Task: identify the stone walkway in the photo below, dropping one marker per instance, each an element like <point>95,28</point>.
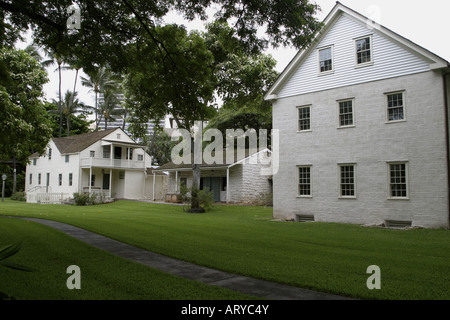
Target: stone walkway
<point>246,285</point>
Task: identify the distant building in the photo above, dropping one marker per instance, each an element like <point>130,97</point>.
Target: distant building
<point>106,162</point>
<point>118,121</point>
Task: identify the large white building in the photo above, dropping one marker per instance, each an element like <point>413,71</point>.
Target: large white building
<point>106,162</point>
<point>362,115</point>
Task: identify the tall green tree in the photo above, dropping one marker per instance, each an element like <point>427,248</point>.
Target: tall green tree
<point>55,58</point>
<point>24,128</point>
<point>100,81</point>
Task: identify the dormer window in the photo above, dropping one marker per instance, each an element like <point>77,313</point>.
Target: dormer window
<point>326,60</point>
<point>363,51</point>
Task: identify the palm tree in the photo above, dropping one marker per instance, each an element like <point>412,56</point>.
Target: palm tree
<point>70,106</point>
<point>110,107</point>
<point>99,82</point>
<point>55,58</point>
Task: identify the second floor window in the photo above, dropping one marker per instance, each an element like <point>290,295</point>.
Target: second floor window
<point>395,106</point>
<point>363,50</point>
<point>304,118</point>
<point>326,59</point>
<point>346,113</point>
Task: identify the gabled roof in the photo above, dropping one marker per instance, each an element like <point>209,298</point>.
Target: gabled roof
<point>78,143</point>
<point>434,60</point>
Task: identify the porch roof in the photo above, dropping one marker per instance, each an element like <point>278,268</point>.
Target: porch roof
<point>170,166</point>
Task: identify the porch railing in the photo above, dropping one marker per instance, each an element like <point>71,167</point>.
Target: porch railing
<point>112,163</point>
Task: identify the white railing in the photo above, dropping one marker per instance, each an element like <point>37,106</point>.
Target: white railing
<point>95,190</point>
<point>51,198</point>
<point>112,163</point>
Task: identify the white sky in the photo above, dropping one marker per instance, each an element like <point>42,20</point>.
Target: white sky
<point>424,22</point>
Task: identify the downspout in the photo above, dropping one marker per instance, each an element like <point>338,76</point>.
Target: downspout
<point>447,138</point>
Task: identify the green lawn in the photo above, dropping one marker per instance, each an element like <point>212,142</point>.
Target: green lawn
<point>415,264</point>
<point>103,275</point>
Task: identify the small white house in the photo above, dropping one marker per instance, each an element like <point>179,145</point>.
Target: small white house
<point>105,162</point>
<point>363,121</point>
<point>245,180</point>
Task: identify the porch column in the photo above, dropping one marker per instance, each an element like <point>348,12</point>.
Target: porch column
<point>154,184</point>
<point>228,184</point>
<point>110,183</point>
<point>176,181</point>
<point>111,155</point>
<point>90,178</point>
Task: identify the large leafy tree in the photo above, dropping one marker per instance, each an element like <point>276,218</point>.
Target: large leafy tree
<point>107,26</point>
<point>171,71</point>
<point>23,126</point>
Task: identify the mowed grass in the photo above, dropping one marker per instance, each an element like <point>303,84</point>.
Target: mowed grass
<point>103,276</point>
<point>414,264</point>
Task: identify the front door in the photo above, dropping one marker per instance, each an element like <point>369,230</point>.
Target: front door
<point>106,181</point>
<point>213,185</point>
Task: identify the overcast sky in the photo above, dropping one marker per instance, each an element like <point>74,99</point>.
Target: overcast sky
<point>424,22</point>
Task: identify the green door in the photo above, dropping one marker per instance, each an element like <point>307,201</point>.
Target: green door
<point>106,181</point>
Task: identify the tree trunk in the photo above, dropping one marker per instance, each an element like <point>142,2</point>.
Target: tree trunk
<point>60,105</point>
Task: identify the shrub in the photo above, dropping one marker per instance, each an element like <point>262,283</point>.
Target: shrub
<point>81,199</point>
<point>205,199</point>
<point>19,196</point>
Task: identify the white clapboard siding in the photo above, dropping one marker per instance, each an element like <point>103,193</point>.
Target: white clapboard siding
<point>389,60</point>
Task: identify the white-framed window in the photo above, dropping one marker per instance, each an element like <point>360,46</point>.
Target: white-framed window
<point>346,113</point>
<point>39,179</point>
<point>304,118</point>
<point>49,153</point>
<point>60,179</point>
<point>325,56</point>
<point>70,179</point>
<point>398,180</point>
<point>140,157</point>
<point>67,158</point>
<point>93,180</point>
<point>34,161</point>
<point>92,153</point>
<point>106,152</point>
<point>347,180</point>
<point>31,179</point>
<point>396,108</point>
<point>364,54</point>
<point>304,181</point>
<point>121,175</point>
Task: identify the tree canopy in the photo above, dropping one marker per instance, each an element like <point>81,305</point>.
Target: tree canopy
<point>23,126</point>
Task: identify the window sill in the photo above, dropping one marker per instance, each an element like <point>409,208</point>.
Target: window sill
<point>363,65</point>
<point>304,197</point>
<point>325,73</point>
<point>347,198</point>
<point>304,131</point>
<point>347,127</point>
<point>399,199</point>
<point>395,121</point>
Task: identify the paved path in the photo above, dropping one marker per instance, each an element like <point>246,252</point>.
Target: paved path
<point>258,288</point>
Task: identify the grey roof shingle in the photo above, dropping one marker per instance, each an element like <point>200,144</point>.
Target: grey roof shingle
<point>78,143</point>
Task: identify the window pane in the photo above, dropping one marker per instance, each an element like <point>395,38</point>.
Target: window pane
<point>346,113</point>
<point>395,107</point>
<point>347,181</point>
<point>304,186</point>
<point>326,60</point>
<point>363,50</point>
<point>304,119</point>
<point>398,183</point>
